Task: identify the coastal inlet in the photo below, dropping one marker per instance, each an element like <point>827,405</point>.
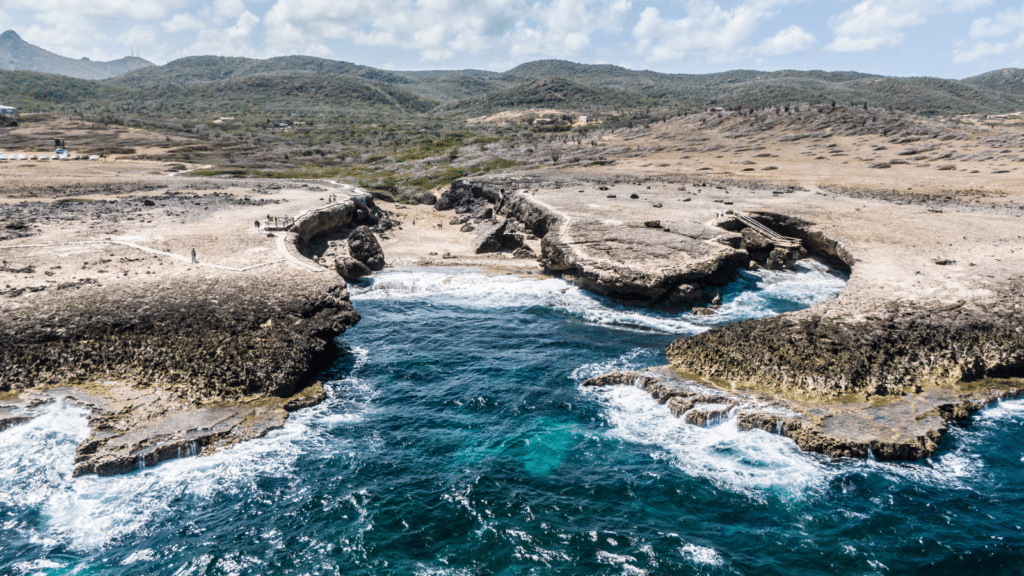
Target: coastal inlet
<point>457,439</point>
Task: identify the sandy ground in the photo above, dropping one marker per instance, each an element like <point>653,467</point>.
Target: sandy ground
<point>65,246</point>
<point>905,251</point>
<point>835,161</point>
<point>425,237</point>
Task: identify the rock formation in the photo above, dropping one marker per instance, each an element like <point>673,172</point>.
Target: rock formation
<point>364,247</point>
<point>910,430</point>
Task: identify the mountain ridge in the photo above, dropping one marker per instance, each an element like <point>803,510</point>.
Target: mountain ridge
<point>18,55</point>
<point>197,85</point>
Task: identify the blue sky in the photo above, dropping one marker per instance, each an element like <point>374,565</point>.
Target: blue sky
<point>945,38</point>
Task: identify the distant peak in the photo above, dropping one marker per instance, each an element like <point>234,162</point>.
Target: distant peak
<point>10,35</point>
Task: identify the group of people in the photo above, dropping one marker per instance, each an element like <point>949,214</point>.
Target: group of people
<point>332,198</point>
<point>276,221</point>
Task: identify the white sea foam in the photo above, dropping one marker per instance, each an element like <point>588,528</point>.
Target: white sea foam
<point>757,295</point>
<point>758,463</point>
<point>89,512</point>
<point>635,359</point>
<point>39,453</point>
<point>701,555</point>
<point>623,561</point>
<point>140,556</point>
<point>755,463</point>
<point>38,567</point>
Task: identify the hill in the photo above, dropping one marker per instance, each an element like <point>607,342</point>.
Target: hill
<point>202,88</point>
<point>1008,80</point>
<point>206,69</point>
<point>16,54</point>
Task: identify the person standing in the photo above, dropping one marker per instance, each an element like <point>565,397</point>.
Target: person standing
<point>257,224</point>
<point>194,261</point>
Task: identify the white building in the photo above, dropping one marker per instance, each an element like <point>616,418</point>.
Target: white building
<point>7,110</point>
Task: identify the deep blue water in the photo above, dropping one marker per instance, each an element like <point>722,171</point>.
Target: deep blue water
<point>457,440</point>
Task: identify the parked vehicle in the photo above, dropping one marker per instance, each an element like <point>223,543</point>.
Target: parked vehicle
<point>94,157</point>
<point>3,156</point>
<point>44,157</point>
<point>22,157</point>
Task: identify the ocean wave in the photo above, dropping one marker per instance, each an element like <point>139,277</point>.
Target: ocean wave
<point>755,463</point>
<point>701,555</point>
<point>751,295</point>
<point>90,512</point>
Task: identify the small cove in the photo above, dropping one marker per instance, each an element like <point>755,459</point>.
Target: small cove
<point>457,440</point>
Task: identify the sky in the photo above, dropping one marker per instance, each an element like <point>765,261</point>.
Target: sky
<point>943,38</point>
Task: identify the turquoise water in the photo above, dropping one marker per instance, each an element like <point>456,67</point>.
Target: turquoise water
<point>457,441</point>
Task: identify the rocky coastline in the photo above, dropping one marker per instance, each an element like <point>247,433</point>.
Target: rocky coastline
<point>879,370</point>
<point>644,264</point>
<point>184,361</point>
<point>828,432</point>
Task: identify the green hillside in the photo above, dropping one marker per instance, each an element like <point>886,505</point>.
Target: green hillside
<point>196,88</point>
<point>207,69</point>
<point>50,92</point>
<point>1007,80</point>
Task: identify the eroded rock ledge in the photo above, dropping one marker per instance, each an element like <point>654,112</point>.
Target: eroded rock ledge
<point>186,361</point>
<point>169,367</point>
<point>888,353</point>
<point>639,262</point>
<point>909,429</point>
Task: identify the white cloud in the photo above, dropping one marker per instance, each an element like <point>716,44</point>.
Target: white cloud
<point>239,39</point>
<point>441,30</point>
<point>142,35</point>
<point>722,35</point>
<point>181,22</point>
<point>787,41</point>
<point>1006,22</point>
<point>228,8</point>
<point>101,29</point>
<point>980,50</point>
<point>875,24</point>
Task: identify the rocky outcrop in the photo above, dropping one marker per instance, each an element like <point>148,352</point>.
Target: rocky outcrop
<point>364,247</point>
<point>464,192</point>
<point>350,269</point>
<point>489,237</point>
<point>814,241</point>
<point>700,408</point>
<point>173,366</point>
<point>888,432</point>
<point>642,264</point>
<point>887,353</point>
<point>357,210</point>
<point>535,217</point>
<point>624,271</point>
<point>205,337</point>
